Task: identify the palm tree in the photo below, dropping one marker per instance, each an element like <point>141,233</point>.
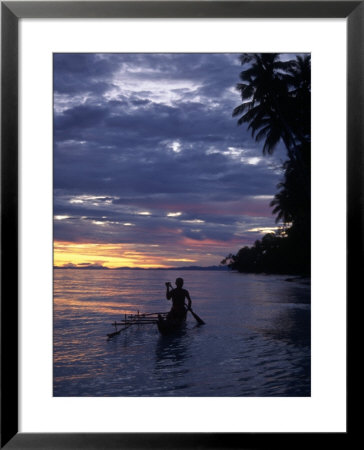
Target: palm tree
<point>276,104</point>
<point>291,203</point>
<point>275,94</point>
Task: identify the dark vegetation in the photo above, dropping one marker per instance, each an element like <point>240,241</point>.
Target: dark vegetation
<point>276,106</point>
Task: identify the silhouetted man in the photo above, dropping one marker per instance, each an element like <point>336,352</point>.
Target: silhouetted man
<point>178,296</point>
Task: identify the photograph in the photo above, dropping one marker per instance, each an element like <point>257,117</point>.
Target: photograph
<point>181,224</point>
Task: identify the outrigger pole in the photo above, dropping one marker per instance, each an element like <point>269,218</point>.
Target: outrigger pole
<point>146,319</point>
<point>136,319</point>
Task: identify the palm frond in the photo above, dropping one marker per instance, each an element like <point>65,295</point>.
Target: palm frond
<point>240,109</point>
<point>271,141</point>
<point>262,133</point>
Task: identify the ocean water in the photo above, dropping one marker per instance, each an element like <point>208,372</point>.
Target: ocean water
<point>256,340</point>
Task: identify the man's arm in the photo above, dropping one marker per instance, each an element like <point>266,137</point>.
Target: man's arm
<point>168,292</point>
<point>189,299</point>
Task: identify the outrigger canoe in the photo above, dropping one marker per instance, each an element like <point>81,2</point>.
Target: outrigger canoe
<point>165,324</point>
<point>136,319</point>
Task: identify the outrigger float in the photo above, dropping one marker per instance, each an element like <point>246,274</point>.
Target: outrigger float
<point>164,324</point>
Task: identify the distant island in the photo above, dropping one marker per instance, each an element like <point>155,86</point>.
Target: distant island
<point>97,267</point>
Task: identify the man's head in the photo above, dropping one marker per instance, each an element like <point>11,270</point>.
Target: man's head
<point>179,282</point>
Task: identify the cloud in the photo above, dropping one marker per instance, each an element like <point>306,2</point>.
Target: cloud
<point>153,133</point>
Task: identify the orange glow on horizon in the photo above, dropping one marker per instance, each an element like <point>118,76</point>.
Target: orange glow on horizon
<point>181,260</point>
<point>106,255</point>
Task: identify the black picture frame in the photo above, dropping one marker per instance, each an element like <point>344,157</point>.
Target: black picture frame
<point>11,12</point>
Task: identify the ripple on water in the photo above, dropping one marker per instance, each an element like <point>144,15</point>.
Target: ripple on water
<point>256,341</point>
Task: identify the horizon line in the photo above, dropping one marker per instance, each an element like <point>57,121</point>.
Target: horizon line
<point>138,268</point>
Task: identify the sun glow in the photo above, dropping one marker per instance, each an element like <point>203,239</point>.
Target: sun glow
<point>106,255</point>
<point>181,260</point>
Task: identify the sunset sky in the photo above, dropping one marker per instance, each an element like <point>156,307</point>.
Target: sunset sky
<point>150,168</point>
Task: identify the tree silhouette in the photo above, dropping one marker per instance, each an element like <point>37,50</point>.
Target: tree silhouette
<point>276,106</point>
<point>270,91</point>
<point>292,202</point>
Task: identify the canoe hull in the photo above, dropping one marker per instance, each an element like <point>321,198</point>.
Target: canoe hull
<point>170,326</point>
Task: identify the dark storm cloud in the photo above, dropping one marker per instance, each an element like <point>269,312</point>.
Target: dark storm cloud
<point>81,117</point>
<point>138,137</point>
<point>82,73</point>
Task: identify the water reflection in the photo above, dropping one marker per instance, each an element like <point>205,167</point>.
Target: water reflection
<point>293,326</point>
<point>172,366</point>
<point>291,330</point>
<point>256,341</point>
<point>172,349</point>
